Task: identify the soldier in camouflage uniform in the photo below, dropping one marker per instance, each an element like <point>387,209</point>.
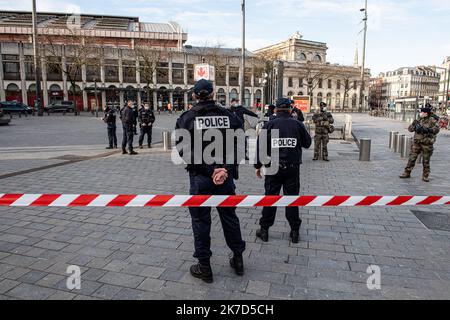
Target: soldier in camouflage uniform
<point>323,122</point>
<point>426,130</point>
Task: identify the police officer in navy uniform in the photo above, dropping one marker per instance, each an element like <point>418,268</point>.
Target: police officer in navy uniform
<point>110,119</point>
<point>292,138</point>
<point>211,179</point>
<point>128,118</point>
<point>146,119</point>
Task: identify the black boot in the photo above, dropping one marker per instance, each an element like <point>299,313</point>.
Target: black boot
<point>295,236</point>
<point>203,272</point>
<point>133,153</point>
<point>237,263</point>
<point>263,234</point>
<point>124,151</point>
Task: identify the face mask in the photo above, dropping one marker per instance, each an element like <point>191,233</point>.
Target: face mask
<point>147,107</point>
<point>423,114</point>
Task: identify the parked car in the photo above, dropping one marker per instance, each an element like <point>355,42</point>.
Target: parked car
<point>3,119</point>
<point>15,107</point>
<point>60,106</point>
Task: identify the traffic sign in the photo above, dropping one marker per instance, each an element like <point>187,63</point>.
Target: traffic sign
<point>204,71</point>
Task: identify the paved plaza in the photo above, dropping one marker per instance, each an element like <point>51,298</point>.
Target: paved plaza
<point>145,253</point>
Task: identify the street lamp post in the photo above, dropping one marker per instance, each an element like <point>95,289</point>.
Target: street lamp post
<point>37,74</point>
<point>242,79</point>
<point>361,98</point>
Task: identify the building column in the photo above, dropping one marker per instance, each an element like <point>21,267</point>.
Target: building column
<point>120,67</point>
<point>103,80</point>
<point>252,91</point>
<point>103,100</point>
<point>227,82</point>
<point>186,86</point>
<point>64,74</point>
<point>2,84</point>
<point>171,98</point>
<point>83,87</point>
<point>155,101</point>
<point>121,99</point>
<point>170,72</point>
<point>138,81</point>
<point>44,81</point>
<point>186,101</point>
<point>22,74</point>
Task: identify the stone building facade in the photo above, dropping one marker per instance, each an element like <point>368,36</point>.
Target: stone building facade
<point>117,70</point>
<point>301,68</point>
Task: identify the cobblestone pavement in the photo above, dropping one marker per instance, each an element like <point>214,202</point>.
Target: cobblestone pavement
<point>32,142</point>
<point>135,253</point>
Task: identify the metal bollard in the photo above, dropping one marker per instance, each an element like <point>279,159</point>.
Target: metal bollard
<point>407,143</point>
<point>167,142</point>
<point>401,137</point>
<point>391,139</point>
<point>364,149</point>
<point>395,141</point>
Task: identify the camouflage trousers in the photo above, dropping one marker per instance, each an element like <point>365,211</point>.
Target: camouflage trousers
<point>416,150</point>
<point>321,141</point>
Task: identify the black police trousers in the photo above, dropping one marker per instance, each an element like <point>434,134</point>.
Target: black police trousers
<point>128,135</point>
<point>147,130</point>
<point>201,218</point>
<point>288,178</point>
<point>112,137</point>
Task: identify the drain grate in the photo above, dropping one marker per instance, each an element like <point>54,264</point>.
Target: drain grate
<point>434,220</point>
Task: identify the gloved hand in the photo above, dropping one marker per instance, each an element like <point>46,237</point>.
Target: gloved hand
<point>420,130</point>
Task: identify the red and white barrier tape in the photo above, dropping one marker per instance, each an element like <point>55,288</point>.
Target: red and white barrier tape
<point>97,200</point>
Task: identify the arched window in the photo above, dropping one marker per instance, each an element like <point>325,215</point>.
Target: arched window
<point>300,93</point>
<point>329,99</point>
<point>77,89</point>
<point>290,94</point>
<point>319,98</point>
<point>317,58</point>
<point>233,94</point>
<point>302,57</point>
<point>32,87</point>
<point>221,97</point>
<point>338,100</point>
<point>354,98</point>
<point>55,88</point>
<point>247,98</point>
<point>12,87</point>
<point>258,98</point>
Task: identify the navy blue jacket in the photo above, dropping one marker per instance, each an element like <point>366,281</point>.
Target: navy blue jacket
<point>240,111</point>
<point>292,138</point>
<point>197,119</point>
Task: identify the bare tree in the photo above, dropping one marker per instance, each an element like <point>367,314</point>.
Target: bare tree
<point>316,75</point>
<point>79,51</point>
<point>149,57</point>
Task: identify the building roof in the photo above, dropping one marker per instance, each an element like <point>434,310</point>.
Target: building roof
<point>86,22</point>
<point>215,50</point>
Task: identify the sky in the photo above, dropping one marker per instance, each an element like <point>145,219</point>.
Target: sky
<point>401,32</point>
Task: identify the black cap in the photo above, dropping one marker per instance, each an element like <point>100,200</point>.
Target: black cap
<point>284,103</point>
<point>271,107</point>
<point>427,109</point>
<point>203,88</point>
